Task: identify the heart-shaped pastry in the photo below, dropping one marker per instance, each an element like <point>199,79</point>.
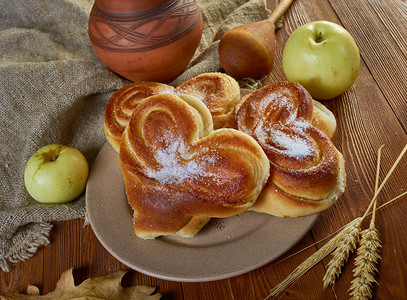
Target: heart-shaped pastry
<point>178,172</point>
<point>218,91</point>
<point>307,173</point>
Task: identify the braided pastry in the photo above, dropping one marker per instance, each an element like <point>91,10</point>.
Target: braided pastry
<point>307,173</point>
<point>219,92</point>
<point>178,172</point>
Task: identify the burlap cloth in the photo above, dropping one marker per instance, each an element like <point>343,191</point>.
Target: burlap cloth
<point>53,89</point>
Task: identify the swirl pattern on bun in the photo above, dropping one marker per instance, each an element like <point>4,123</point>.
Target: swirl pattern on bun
<point>122,103</point>
<point>307,173</point>
<point>218,91</point>
<point>179,172</point>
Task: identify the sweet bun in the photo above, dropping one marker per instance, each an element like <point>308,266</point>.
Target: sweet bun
<point>219,92</point>
<point>323,119</point>
<point>307,172</point>
<point>122,103</point>
<point>179,172</point>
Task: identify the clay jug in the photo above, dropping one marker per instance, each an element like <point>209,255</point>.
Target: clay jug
<point>145,40</point>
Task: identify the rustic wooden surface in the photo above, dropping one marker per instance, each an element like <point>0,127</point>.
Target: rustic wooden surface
<point>372,113</point>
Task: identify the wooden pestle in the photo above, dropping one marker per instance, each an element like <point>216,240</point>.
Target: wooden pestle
<point>247,51</point>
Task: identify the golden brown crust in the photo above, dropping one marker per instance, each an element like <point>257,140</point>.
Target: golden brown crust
<point>178,175</point>
<point>219,92</point>
<point>121,105</point>
<point>307,173</point>
<point>274,201</point>
<point>323,119</point>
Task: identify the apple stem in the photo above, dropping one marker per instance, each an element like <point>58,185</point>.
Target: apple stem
<point>279,10</point>
<point>319,38</point>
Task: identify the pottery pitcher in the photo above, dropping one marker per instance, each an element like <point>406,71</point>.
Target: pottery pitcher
<point>145,40</point>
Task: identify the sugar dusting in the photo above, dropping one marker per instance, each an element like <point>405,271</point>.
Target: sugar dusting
<point>285,136</point>
<point>205,90</point>
<point>176,167</point>
<point>172,168</point>
<point>291,145</point>
<point>279,102</point>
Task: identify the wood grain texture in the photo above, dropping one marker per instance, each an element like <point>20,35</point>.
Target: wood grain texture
<point>373,112</point>
<point>382,44</point>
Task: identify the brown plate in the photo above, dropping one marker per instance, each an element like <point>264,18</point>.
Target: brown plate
<point>223,248</point>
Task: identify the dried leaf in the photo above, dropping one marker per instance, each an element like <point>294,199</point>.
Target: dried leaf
<point>97,288</point>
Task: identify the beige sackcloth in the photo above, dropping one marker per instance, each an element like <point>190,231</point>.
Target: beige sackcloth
<point>53,89</point>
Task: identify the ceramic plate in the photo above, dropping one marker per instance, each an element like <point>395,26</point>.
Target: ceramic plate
<point>223,248</point>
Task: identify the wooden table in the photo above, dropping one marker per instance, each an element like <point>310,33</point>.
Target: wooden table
<point>372,113</point>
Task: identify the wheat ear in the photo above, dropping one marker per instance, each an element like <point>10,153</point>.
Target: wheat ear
<point>366,265</point>
<point>349,242</point>
<point>332,244</point>
<point>346,245</point>
<point>367,259</point>
<point>313,259</point>
<point>366,262</point>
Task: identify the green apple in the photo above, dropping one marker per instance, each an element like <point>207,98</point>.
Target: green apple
<point>56,174</point>
<point>323,57</point>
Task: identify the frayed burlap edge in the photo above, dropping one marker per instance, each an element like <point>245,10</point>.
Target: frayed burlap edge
<point>28,248</point>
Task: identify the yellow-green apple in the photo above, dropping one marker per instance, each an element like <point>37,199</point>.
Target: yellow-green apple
<point>56,174</point>
<point>323,57</point>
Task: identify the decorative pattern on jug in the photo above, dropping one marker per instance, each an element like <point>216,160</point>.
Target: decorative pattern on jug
<point>143,31</point>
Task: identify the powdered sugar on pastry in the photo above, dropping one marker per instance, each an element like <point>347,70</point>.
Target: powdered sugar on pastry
<point>177,176</point>
<point>307,171</point>
<point>172,168</point>
<point>291,145</point>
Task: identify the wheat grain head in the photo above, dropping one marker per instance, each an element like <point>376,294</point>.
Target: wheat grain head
<point>366,264</point>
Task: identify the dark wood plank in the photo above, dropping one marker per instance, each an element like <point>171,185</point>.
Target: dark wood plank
<point>74,245</point>
<point>373,112</point>
<point>216,290</point>
<point>61,255</point>
<point>366,120</point>
<point>382,44</point>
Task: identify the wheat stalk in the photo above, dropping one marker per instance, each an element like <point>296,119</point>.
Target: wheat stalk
<point>360,285</point>
<point>349,241</point>
<point>311,261</point>
<point>366,260</point>
<point>346,245</point>
<point>366,265</point>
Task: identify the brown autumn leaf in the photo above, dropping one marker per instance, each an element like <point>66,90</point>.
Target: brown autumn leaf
<point>97,288</point>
